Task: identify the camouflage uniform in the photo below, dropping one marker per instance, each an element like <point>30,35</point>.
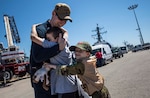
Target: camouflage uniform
<point>92,80</point>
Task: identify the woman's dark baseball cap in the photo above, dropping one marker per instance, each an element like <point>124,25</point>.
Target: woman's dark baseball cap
<point>63,11</point>
<point>83,46</point>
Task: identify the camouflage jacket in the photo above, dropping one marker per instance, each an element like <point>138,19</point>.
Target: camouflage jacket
<point>91,79</point>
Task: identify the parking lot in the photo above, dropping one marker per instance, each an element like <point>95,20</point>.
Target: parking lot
<point>126,77</point>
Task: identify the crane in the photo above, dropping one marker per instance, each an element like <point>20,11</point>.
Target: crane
<point>12,59</point>
<point>12,34</point>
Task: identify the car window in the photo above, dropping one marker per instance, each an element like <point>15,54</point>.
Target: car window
<point>104,51</point>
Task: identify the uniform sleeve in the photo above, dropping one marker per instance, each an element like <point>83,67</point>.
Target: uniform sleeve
<point>71,70</point>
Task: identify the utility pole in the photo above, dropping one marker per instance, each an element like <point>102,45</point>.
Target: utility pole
<point>125,43</point>
<point>132,8</point>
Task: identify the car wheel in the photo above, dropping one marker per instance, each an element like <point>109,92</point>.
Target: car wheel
<point>111,60</point>
<point>8,74</point>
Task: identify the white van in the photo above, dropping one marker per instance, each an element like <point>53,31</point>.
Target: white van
<point>105,50</point>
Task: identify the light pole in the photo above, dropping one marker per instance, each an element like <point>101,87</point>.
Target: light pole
<point>132,8</point>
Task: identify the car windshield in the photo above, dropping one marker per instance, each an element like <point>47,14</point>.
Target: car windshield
<point>115,50</point>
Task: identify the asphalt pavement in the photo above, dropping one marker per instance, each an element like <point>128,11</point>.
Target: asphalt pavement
<point>126,77</point>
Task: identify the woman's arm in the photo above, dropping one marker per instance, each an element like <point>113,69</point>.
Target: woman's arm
<point>34,36</point>
<point>40,41</point>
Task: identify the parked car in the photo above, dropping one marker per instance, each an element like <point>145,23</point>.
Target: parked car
<point>137,48</point>
<point>146,46</point>
<point>124,49</point>
<point>117,53</point>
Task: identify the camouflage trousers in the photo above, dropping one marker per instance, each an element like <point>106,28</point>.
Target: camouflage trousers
<point>104,93</point>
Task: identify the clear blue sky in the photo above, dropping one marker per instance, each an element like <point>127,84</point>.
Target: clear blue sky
<point>113,15</point>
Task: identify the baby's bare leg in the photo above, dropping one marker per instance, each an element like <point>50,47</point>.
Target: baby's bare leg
<point>45,86</point>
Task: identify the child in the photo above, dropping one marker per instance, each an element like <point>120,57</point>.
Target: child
<point>60,85</point>
<point>85,68</point>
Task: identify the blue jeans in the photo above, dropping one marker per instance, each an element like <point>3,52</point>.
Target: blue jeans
<point>99,62</point>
